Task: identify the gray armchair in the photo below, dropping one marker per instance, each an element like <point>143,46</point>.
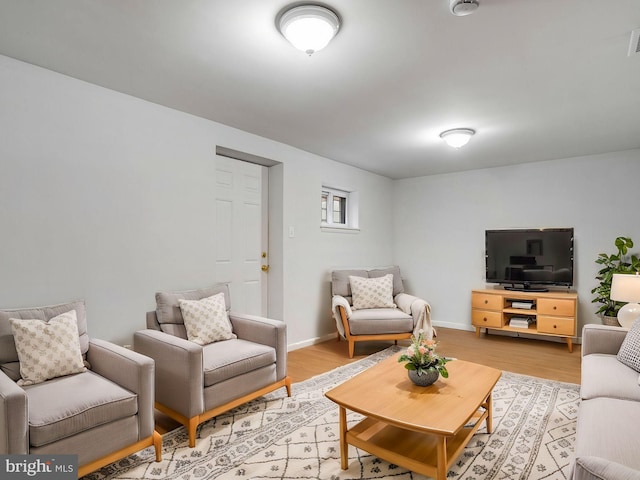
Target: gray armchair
<point>401,317</point>
<point>101,414</point>
<point>195,383</point>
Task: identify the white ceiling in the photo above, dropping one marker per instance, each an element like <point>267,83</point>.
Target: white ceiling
<point>537,79</point>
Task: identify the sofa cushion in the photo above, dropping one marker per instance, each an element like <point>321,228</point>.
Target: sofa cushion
<point>608,428</point>
<point>398,287</point>
<point>372,292</point>
<point>65,406</point>
<point>629,352</point>
<point>340,282</point>
<point>206,320</point>
<point>8,351</point>
<point>604,376</point>
<point>231,358</point>
<point>47,349</point>
<point>598,468</point>
<point>386,320</point>
<point>168,309</point>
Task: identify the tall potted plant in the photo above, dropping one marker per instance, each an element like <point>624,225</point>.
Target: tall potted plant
<point>619,262</point>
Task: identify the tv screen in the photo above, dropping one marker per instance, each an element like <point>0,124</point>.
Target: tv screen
<point>529,257</point>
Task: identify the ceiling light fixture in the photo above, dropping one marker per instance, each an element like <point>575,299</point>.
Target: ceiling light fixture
<point>460,8</point>
<point>309,27</point>
<point>457,137</point>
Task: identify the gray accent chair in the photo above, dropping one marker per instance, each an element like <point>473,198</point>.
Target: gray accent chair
<point>195,383</point>
<point>607,442</point>
<point>411,316</point>
<point>101,415</point>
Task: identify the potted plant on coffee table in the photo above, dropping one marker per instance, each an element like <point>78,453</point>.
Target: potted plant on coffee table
<point>619,262</point>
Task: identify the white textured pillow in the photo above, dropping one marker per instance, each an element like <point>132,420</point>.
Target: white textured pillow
<point>372,292</point>
<point>629,352</point>
<point>206,320</point>
<point>47,349</point>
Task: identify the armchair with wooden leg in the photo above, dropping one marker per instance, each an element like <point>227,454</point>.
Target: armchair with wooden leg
<point>63,393</point>
<point>209,359</point>
<point>370,305</point>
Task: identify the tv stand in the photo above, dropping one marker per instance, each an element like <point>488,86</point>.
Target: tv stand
<point>554,314</point>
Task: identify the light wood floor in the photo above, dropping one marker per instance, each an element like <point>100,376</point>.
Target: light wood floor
<point>535,357</point>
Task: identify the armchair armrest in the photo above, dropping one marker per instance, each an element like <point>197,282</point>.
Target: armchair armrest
<point>14,418</point>
<point>602,339</point>
<point>179,370</point>
<point>339,307</point>
<point>265,331</point>
<point>130,370</point>
<point>597,468</point>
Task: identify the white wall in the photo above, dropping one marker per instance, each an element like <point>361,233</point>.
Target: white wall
<point>440,223</point>
<point>109,198</point>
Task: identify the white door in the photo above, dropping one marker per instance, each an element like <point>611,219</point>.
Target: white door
<point>240,236</point>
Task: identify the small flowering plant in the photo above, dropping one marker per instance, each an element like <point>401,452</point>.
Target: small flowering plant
<point>421,356</point>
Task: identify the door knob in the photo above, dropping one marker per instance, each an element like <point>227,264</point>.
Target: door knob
<point>264,268</point>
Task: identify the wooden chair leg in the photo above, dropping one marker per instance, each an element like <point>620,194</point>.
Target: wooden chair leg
<point>157,445</point>
<point>287,385</point>
<point>352,345</point>
<point>191,429</point>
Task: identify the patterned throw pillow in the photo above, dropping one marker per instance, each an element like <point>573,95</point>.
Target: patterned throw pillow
<point>372,292</point>
<point>47,349</point>
<point>206,320</point>
<point>629,352</point>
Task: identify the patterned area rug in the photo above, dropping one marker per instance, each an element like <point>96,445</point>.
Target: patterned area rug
<point>276,437</point>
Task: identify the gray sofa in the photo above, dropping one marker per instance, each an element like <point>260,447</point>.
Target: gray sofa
<point>608,431</point>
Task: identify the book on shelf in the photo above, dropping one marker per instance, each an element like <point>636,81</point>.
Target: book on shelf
<point>524,305</point>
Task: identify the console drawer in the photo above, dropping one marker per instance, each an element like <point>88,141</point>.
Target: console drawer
<point>486,301</point>
<point>556,325</point>
<point>555,306</point>
<point>486,318</point>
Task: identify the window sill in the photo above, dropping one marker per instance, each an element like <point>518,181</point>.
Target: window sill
<point>338,229</point>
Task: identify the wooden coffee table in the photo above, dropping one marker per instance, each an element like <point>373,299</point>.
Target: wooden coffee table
<point>423,429</point>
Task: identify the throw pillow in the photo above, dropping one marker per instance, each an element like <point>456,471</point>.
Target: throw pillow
<point>47,349</point>
<point>629,352</point>
<point>206,320</point>
<point>372,292</point>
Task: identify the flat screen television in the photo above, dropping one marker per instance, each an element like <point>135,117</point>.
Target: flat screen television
<point>529,259</point>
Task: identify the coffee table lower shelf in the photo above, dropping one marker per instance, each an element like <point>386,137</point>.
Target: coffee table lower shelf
<point>424,453</point>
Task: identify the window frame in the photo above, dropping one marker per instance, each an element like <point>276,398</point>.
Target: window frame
<point>350,206</point>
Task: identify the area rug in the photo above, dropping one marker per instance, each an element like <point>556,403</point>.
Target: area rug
<point>276,437</point>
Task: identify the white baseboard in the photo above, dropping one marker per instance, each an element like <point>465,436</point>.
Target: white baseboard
<point>313,341</point>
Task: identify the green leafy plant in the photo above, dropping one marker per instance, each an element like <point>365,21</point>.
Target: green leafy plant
<point>421,356</point>
<point>619,262</point>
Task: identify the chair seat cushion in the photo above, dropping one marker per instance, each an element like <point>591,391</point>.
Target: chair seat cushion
<point>380,320</point>
<point>604,376</point>
<point>65,406</point>
<point>231,358</point>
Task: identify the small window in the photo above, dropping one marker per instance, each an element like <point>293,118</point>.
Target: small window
<point>338,209</point>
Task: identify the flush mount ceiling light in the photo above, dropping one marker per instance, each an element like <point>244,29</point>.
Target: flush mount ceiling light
<point>309,27</point>
<point>460,8</point>
<point>457,137</point>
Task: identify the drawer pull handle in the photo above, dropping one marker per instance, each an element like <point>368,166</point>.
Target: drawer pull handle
<point>486,301</point>
<point>555,308</point>
<point>555,326</point>
<point>484,319</point>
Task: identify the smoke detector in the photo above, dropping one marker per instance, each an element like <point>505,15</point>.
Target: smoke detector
<point>460,8</point>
